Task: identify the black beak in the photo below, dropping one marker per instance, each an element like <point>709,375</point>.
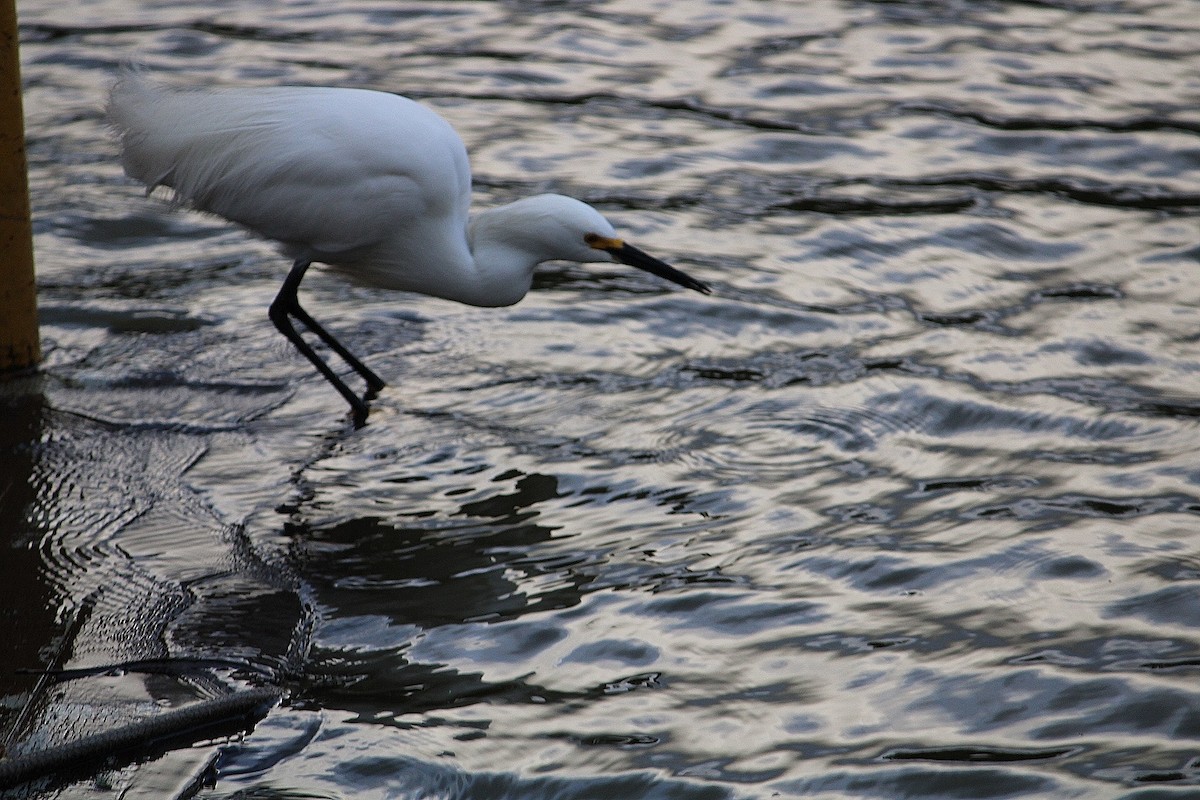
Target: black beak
<point>628,254</point>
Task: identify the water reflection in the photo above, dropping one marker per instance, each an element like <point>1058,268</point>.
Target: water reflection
<point>30,619</point>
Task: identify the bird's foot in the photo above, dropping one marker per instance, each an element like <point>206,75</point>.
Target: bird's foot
<point>375,384</point>
<point>358,411</point>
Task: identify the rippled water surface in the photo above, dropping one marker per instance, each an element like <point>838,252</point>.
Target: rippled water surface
<point>907,508</point>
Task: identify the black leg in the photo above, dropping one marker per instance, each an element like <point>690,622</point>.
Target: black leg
<point>374,382</point>
<point>286,305</point>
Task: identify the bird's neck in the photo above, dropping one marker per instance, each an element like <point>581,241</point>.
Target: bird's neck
<point>503,267</point>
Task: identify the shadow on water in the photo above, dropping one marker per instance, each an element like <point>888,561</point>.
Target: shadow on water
<point>372,576</point>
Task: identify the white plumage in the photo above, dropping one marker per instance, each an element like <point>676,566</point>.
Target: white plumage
<point>372,184</point>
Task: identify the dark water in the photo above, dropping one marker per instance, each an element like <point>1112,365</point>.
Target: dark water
<point>909,508</point>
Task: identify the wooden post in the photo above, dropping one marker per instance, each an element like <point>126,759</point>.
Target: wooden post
<point>19,349</point>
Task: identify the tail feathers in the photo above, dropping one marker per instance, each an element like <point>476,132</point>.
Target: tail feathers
<point>136,112</point>
<point>191,140</point>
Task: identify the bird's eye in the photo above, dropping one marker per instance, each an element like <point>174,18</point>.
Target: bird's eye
<point>591,239</point>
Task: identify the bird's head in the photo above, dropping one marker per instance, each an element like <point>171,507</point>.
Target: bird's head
<point>551,227</point>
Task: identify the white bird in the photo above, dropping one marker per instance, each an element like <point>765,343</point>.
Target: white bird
<point>372,184</point>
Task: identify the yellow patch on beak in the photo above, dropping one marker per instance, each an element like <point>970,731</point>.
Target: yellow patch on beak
<point>598,242</point>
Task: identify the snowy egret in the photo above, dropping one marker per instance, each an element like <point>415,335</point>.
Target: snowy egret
<point>371,184</point>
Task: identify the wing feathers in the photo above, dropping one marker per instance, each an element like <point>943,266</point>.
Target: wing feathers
<point>329,170</point>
